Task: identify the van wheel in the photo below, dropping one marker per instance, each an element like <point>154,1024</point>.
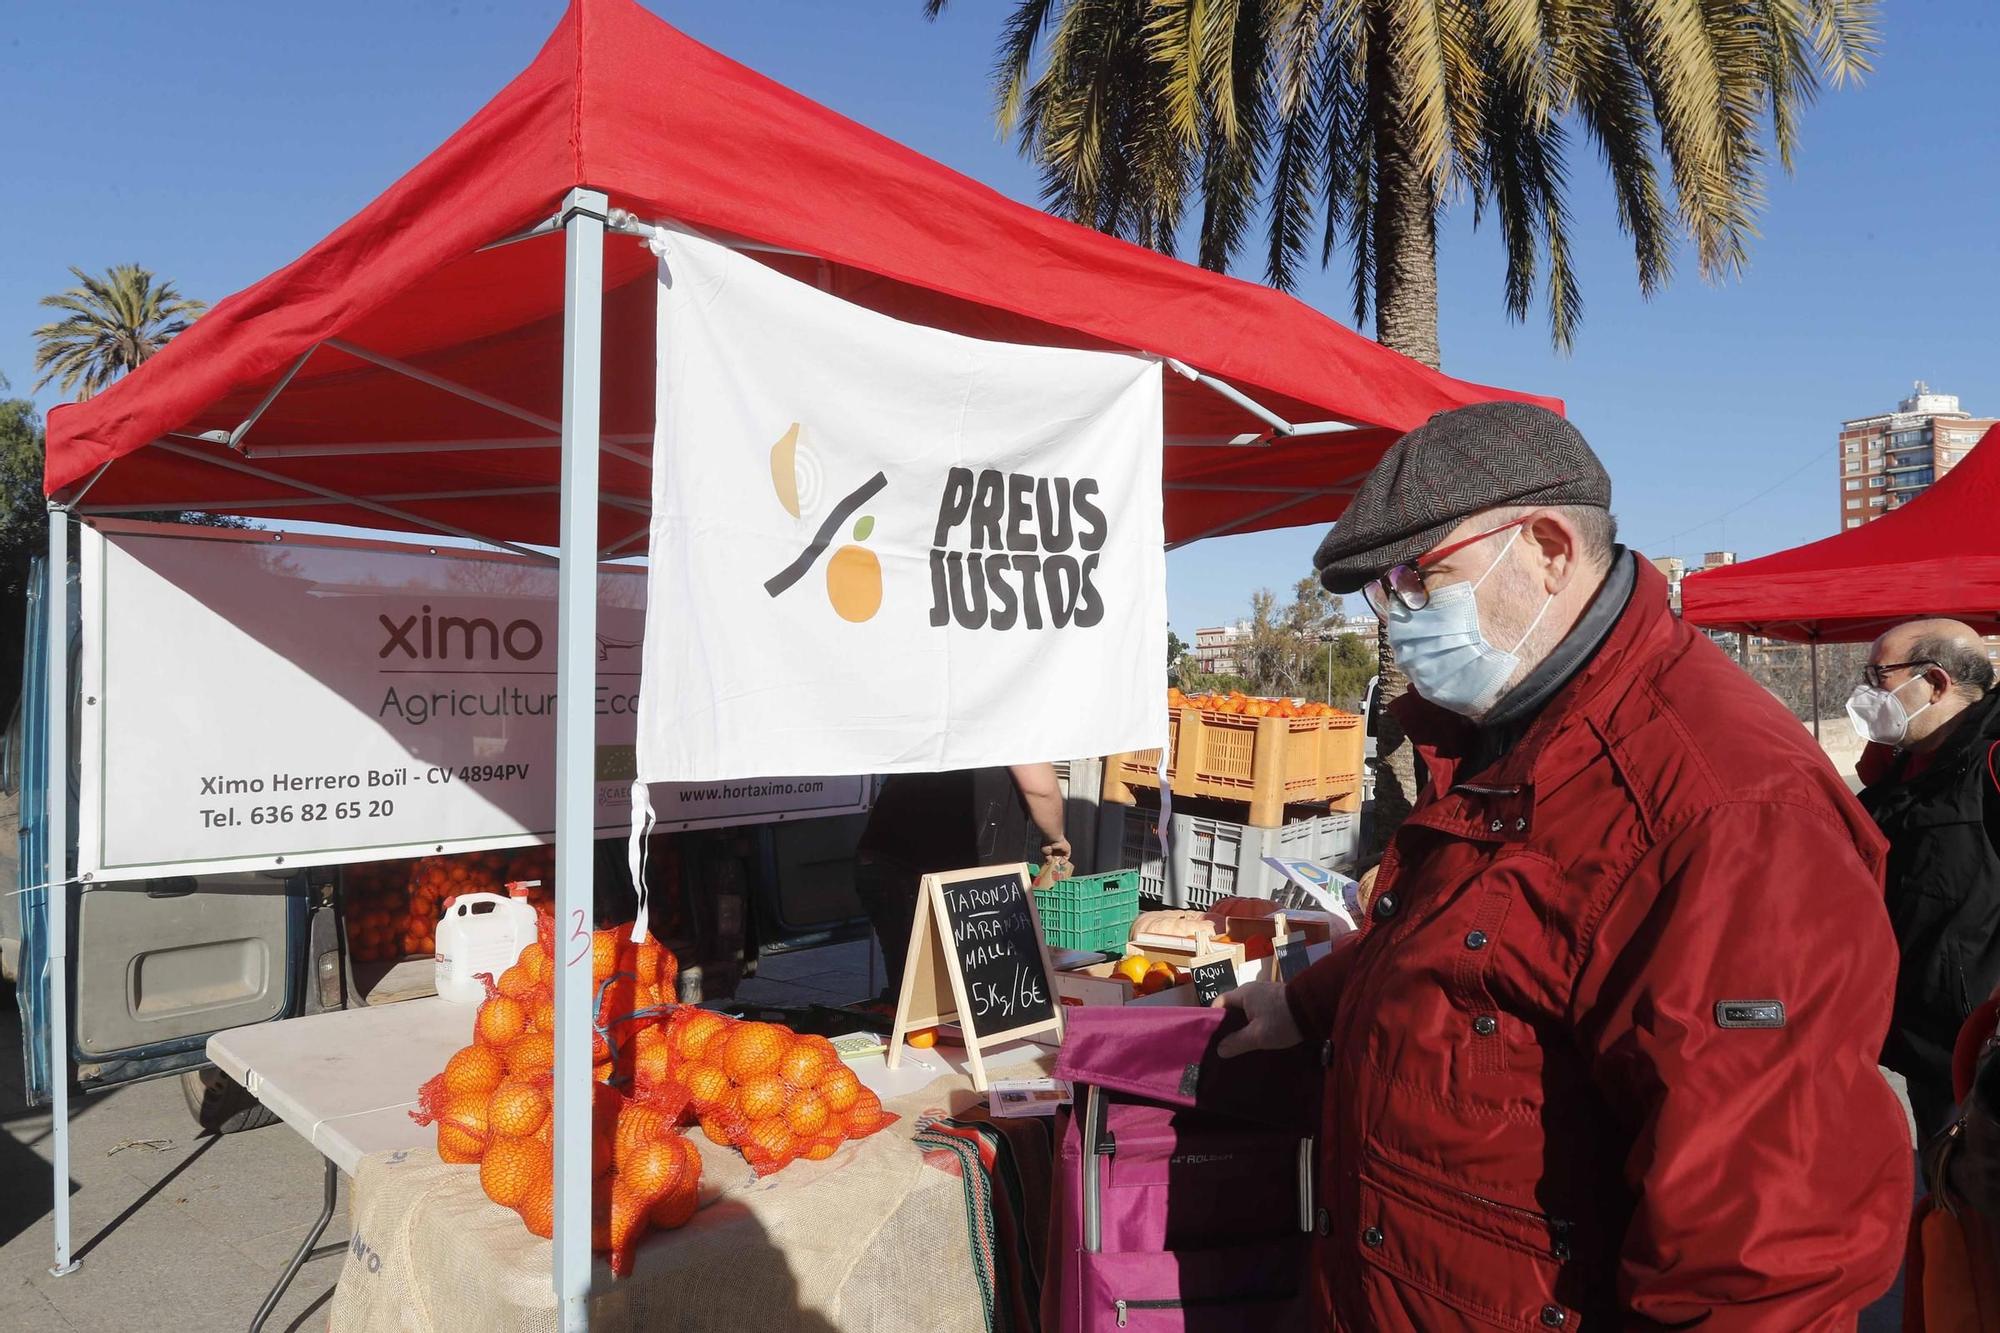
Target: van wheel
<point>221,1105</point>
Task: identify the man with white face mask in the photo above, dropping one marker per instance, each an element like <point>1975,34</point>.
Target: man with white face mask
<point>1927,705</point>
<point>1603,1054</point>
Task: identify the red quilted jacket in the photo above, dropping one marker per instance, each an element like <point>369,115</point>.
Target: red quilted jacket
<point>1604,1054</point>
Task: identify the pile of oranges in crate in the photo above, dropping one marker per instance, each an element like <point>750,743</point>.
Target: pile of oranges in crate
<point>1245,705</point>
<point>392,907</point>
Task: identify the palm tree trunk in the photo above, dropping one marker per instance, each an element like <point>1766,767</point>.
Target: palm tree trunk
<point>1406,321</point>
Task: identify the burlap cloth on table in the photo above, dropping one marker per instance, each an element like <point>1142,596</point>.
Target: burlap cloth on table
<point>871,1240</point>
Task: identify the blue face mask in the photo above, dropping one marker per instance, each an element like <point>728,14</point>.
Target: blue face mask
<point>1445,653</point>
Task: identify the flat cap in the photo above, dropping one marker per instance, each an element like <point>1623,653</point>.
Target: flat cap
<point>1486,456</point>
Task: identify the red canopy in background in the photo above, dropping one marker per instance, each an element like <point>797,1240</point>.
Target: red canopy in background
<point>619,101</point>
<point>1938,555</point>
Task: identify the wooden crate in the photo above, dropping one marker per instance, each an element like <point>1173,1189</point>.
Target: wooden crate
<point>1264,763</point>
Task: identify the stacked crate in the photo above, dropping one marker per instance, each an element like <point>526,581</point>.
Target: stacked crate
<point>1244,788</point>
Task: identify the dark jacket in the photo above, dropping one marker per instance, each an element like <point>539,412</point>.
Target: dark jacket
<point>1562,1093</point>
<point>1943,890</point>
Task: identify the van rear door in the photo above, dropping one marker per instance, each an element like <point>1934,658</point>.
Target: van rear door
<point>156,966</point>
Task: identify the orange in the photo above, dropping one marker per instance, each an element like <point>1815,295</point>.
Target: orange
<point>638,1125</point>
<point>542,1013</point>
<point>841,1089</point>
<point>923,1040</point>
<point>655,1170</point>
<point>535,961</point>
<point>1133,968</point>
<point>866,1117</point>
<point>652,1067</point>
<point>603,954</point>
<point>717,1131</point>
<point>531,1053</point>
<point>753,1049</point>
<point>474,1069</point>
<point>516,983</point>
<point>762,1096</point>
<point>772,1138</point>
<point>696,1030</point>
<point>807,1060</point>
<point>462,1127</point>
<point>538,1210</point>
<point>807,1115</point>
<point>675,1210</point>
<point>501,1019</point>
<point>707,1086</point>
<point>517,1109</point>
<point>512,1168</point>
<point>824,1144</point>
<point>854,583</point>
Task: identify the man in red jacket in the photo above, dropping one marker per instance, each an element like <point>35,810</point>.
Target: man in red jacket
<point>1603,1055</point>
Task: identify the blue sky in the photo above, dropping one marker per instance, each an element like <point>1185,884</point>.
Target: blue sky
<point>213,140</point>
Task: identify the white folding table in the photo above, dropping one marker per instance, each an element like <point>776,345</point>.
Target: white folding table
<point>347,1082</point>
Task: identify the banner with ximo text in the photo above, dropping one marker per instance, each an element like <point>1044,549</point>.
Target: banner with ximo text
<point>259,701</point>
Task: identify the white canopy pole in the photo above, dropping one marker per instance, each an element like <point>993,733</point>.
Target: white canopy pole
<point>583,217</point>
<point>55,872</point>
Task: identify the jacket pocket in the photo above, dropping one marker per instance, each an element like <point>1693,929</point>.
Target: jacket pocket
<point>1263,1287</point>
<point>1454,1255</point>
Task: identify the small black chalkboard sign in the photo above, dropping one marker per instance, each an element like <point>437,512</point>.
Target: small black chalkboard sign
<point>1292,959</point>
<point>1213,979</point>
<point>999,952</point>
<point>976,958</point>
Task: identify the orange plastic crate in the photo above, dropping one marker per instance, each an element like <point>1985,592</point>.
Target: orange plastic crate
<point>1266,763</point>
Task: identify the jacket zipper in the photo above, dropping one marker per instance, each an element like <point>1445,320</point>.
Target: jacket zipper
<point>1560,1229</point>
<point>1191,1303</point>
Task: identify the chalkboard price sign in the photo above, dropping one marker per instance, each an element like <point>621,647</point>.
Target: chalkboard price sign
<point>1213,979</point>
<point>999,948</point>
<point>977,958</point>
<point>1292,959</point>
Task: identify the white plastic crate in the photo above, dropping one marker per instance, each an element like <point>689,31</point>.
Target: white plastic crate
<point>1215,859</point>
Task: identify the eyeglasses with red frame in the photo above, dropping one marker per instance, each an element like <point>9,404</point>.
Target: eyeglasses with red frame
<point>1405,582</point>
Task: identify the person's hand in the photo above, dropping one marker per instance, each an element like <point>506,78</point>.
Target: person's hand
<point>1270,1027</point>
<point>1056,851</point>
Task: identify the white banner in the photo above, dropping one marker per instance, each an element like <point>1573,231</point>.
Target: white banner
<point>878,547</point>
<point>254,700</point>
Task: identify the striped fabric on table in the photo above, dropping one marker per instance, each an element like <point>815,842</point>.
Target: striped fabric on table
<point>1006,1166</point>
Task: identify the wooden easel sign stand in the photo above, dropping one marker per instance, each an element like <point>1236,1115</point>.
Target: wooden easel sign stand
<point>977,958</point>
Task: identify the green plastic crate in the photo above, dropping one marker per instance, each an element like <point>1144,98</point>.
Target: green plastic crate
<point>1089,911</point>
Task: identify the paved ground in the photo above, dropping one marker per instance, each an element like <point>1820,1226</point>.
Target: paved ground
<point>178,1231</point>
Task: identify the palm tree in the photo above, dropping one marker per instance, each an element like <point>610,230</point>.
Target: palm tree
<point>1362,120</point>
<point>110,325</point>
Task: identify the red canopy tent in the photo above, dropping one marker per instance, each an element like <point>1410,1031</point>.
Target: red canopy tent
<point>406,333</point>
<point>444,363</point>
<point>1938,555</point>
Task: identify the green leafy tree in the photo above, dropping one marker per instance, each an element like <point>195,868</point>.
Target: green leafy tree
<point>109,326</point>
<point>1354,124</point>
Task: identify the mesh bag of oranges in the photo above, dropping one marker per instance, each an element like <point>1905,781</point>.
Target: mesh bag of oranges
<point>772,1094</point>
<point>493,1104</point>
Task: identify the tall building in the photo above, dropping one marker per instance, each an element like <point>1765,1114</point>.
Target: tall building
<point>1888,460</point>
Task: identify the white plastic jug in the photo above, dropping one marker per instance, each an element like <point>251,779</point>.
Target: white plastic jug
<point>480,932</point>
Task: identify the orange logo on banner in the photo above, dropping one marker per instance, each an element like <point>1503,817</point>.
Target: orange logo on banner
<point>853,574</point>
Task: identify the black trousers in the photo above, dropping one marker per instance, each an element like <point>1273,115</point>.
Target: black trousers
<point>888,894</point>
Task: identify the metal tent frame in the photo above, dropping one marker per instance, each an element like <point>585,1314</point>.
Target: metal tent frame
<point>584,218</point>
